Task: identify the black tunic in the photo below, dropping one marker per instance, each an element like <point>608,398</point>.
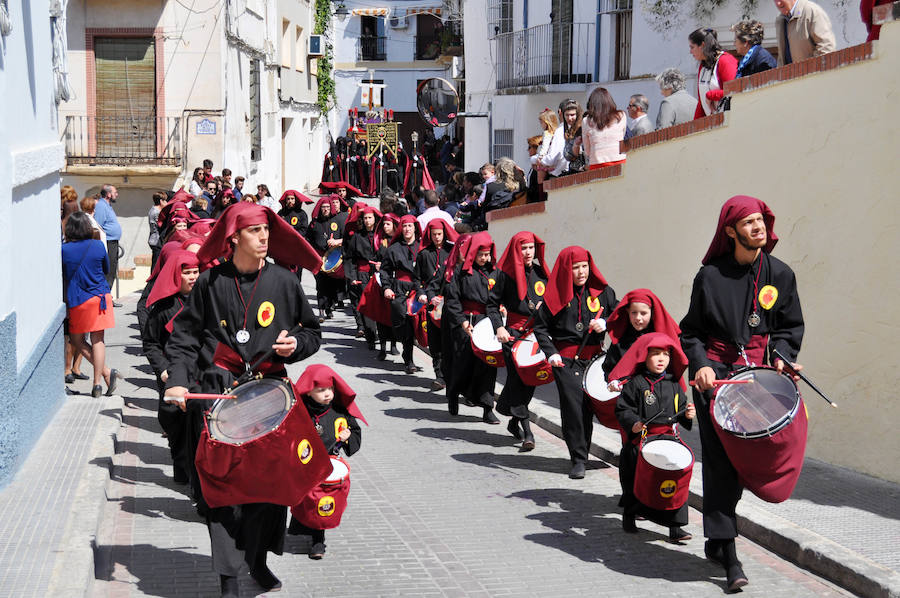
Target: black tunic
<point>721,303</point>
<point>400,258</point>
<point>326,417</point>
<point>616,351</point>
<point>297,218</point>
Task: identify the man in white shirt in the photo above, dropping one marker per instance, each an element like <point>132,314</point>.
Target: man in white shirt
<point>432,210</point>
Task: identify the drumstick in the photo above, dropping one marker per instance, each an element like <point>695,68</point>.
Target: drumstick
<point>724,382</point>
<point>208,396</point>
<point>669,419</point>
<point>787,365</point>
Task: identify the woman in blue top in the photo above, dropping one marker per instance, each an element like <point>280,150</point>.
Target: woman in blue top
<point>748,37</point>
<point>85,264</point>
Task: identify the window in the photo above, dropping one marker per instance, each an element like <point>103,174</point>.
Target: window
<point>499,17</point>
<point>429,30</point>
<point>286,43</point>
<point>371,39</point>
<point>299,49</point>
<point>622,14</point>
<point>255,112</point>
<point>503,144</point>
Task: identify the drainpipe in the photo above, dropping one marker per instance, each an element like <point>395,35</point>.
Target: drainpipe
<point>597,44</point>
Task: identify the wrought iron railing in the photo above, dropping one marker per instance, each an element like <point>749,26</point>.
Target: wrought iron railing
<point>124,140</point>
<point>371,47</point>
<point>547,54</point>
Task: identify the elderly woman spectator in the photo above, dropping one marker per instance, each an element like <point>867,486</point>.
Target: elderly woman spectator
<point>602,130</point>
<point>678,105</point>
<point>748,35</point>
<point>716,67</point>
<point>88,300</point>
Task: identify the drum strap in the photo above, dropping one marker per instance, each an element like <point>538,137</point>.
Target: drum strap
<point>656,430</point>
<point>228,359</point>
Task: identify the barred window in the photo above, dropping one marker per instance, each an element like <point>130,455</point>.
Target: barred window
<point>255,112</point>
<point>503,144</point>
<point>500,17</point>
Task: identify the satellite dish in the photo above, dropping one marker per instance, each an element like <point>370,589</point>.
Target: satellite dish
<point>437,101</point>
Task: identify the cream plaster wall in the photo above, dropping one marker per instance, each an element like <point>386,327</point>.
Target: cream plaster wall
<point>821,151</point>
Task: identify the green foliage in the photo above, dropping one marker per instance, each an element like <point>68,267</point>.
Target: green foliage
<point>327,90</point>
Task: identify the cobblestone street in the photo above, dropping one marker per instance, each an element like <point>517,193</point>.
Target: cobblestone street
<point>439,506</point>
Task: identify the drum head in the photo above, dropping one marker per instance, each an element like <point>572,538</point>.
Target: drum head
<point>757,409</point>
<point>666,454</point>
<point>484,338</point>
<point>332,259</point>
<point>259,407</point>
<point>526,351</point>
<point>339,470</point>
<point>594,382</point>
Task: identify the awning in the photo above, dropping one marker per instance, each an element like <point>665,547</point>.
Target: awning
<point>370,12</point>
<point>424,10</point>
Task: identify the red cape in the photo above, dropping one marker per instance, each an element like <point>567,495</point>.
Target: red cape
<point>560,285</point>
<point>660,321</point>
<point>511,260</point>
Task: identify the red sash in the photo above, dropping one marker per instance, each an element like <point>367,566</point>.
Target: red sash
<point>363,265</point>
<point>473,308</point>
<point>516,320</point>
<point>568,350</point>
<point>228,359</point>
<point>403,275</point>
<point>728,353</point>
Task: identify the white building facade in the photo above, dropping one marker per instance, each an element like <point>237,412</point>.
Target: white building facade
<point>31,156</point>
<point>519,59</point>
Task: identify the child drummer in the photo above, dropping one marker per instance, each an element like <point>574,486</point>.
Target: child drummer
<point>331,404</point>
<point>650,400</point>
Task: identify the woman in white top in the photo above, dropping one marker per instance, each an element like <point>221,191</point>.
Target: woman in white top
<point>196,187</point>
<point>716,68</point>
<point>602,129</point>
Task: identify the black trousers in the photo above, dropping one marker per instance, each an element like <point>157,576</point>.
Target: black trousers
<point>174,423</point>
<point>575,409</point>
<point>112,251</point>
<point>470,377</point>
<point>436,347</point>
<point>516,395</point>
<point>721,488</point>
<point>327,291</point>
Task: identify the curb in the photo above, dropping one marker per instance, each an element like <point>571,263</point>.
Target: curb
<point>800,546</point>
<point>73,574</point>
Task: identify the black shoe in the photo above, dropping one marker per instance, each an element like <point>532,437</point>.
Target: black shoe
<point>96,391</point>
<point>714,552</point>
<point>71,392</point>
<point>453,406</point>
<point>230,588</point>
<point>513,427</point>
<point>321,319</point>
<point>489,417</point>
<point>113,381</point>
<point>70,378</point>
<point>360,333</point>
<point>677,534</point>
<point>317,551</point>
<point>577,471</point>
<point>382,355</point>
<point>628,523</point>
<point>266,579</point>
<point>329,314</point>
<point>80,376</point>
<point>735,578</point>
<point>116,304</point>
<point>394,350</point>
<point>438,384</point>
<point>527,442</point>
<point>410,368</point>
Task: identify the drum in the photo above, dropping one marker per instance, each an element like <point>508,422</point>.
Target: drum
<point>333,263</point>
<point>260,446</point>
<point>323,507</point>
<point>413,307</point>
<point>662,477</point>
<point>420,332</point>
<point>437,310</point>
<point>485,345</point>
<point>603,402</point>
<point>763,430</point>
<point>530,361</point>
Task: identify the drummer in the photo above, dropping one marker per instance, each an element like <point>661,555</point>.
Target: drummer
<point>445,276</point>
<point>245,308</point>
<point>387,228</point>
<point>654,390</point>
<point>331,404</point>
<point>437,243</point>
<point>570,318</point>
<point>292,210</point>
<point>359,264</point>
<point>521,281</point>
<point>399,281</point>
<point>465,304</point>
<point>743,302</point>
<point>324,234</point>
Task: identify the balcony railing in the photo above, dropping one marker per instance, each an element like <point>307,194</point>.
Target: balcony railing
<point>371,47</point>
<point>547,54</point>
<point>123,141</point>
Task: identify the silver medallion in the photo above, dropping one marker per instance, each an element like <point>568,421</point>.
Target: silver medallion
<point>242,336</point>
<point>650,398</point>
<point>531,305</point>
<point>318,428</point>
<point>754,320</point>
<point>579,327</point>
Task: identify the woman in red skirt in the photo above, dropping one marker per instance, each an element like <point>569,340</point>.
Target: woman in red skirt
<point>85,264</point>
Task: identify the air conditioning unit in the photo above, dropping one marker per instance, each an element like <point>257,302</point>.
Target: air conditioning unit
<point>315,46</point>
<point>398,22</point>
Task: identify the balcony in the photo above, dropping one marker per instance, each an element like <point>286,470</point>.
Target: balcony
<point>550,54</point>
<point>123,141</point>
<point>371,47</point>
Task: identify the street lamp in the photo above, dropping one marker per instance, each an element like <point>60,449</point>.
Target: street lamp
<point>341,12</point>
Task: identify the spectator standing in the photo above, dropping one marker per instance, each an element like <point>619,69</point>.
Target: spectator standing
<point>205,203</point>
<point>88,206</point>
<point>196,187</point>
<point>570,114</point>
<point>803,30</point>
<point>603,129</point>
<point>678,105</point>
<point>638,104</point>
<point>226,178</point>
<point>534,192</point>
<point>432,210</point>
<point>207,171</point>
<point>716,68</point>
<point>88,301</point>
<point>264,198</point>
<point>106,218</point>
<point>748,37</point>
<point>238,189</point>
<point>154,240</point>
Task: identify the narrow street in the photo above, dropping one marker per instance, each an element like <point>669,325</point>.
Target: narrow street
<point>439,506</point>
